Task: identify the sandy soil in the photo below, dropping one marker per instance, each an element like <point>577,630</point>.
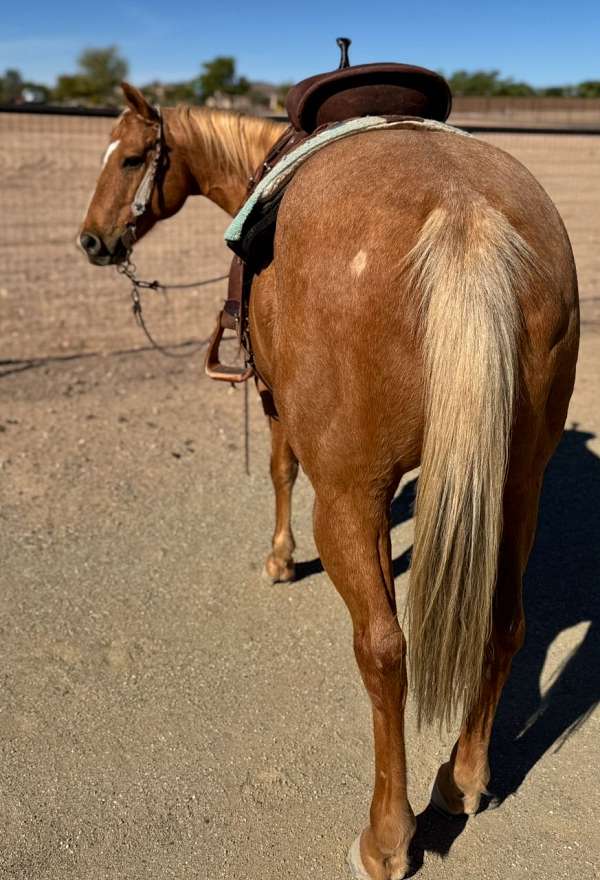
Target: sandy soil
<point>166,713</point>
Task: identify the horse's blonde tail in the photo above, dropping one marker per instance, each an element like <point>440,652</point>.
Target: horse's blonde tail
<point>467,264</point>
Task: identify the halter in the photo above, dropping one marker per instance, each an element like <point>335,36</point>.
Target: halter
<point>143,194</point>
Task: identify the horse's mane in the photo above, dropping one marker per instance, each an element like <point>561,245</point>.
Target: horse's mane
<point>234,143</point>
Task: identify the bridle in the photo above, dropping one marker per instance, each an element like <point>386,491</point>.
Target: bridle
<point>139,206</point>
<point>143,194</point>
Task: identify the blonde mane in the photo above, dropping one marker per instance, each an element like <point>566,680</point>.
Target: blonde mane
<point>232,143</point>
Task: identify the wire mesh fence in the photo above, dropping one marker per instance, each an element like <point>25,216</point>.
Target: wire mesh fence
<point>568,167</point>
<point>53,303</point>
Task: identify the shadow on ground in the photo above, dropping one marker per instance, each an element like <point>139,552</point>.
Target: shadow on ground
<point>562,589</point>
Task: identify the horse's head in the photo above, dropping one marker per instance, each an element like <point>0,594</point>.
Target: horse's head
<point>143,179</point>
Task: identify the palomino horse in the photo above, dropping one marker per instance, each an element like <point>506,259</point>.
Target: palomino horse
<point>421,308</point>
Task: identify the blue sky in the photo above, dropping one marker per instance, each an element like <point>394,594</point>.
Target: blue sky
<point>541,42</point>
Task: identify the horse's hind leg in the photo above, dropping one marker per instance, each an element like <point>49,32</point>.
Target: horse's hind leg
<point>352,535</point>
<point>279,565</point>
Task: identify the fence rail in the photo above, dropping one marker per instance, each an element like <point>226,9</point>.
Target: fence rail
<point>500,117</point>
<point>53,303</point>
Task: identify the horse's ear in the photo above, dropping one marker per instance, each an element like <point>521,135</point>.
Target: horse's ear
<point>138,103</point>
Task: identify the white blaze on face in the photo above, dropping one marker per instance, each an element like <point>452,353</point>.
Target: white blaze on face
<point>110,150</point>
<point>358,264</point>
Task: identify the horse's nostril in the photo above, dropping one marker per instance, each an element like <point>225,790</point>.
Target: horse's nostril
<point>90,243</point>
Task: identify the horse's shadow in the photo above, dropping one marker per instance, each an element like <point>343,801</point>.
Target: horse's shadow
<point>562,589</point>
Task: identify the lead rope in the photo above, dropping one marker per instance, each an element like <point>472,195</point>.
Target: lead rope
<point>129,269</point>
<point>246,430</point>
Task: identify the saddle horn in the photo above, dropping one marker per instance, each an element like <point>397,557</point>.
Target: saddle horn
<point>344,44</point>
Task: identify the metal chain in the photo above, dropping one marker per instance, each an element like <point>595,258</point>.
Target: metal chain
<point>129,270</point>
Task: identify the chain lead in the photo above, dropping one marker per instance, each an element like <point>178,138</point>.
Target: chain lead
<point>129,270</point>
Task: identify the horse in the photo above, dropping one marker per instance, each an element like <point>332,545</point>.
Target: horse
<point>421,308</point>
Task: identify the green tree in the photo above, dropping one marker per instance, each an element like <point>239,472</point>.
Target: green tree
<point>96,81</point>
<point>480,82</point>
<point>73,88</point>
<point>487,83</point>
<point>282,93</point>
<point>219,75</point>
<point>514,89</point>
<point>588,89</point>
<point>105,69</point>
<point>555,91</point>
<point>181,93</point>
<point>11,86</point>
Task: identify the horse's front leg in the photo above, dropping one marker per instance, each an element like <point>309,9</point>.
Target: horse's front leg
<point>284,470</point>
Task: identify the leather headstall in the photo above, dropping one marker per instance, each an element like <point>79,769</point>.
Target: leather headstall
<point>143,194</point>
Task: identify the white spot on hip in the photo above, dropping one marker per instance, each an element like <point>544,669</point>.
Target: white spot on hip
<point>357,266</point>
<point>110,150</point>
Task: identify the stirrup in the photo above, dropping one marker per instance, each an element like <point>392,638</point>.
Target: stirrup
<point>213,367</point>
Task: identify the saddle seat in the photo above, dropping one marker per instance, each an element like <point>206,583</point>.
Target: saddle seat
<point>368,90</point>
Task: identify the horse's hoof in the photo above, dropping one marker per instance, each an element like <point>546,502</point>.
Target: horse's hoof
<point>393,868</point>
<point>279,571</point>
<point>470,804</point>
<point>355,862</point>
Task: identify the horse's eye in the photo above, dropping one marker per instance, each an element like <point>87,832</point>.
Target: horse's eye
<point>133,161</point>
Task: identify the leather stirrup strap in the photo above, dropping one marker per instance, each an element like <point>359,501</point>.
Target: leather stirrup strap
<point>229,318</point>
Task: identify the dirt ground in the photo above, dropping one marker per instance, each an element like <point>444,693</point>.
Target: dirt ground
<point>166,713</point>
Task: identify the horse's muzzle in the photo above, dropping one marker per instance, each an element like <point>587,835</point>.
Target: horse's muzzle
<point>98,252</point>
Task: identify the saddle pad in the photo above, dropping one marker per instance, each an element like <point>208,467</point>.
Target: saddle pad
<point>275,181</point>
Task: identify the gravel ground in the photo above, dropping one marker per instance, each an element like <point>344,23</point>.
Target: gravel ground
<point>166,713</point>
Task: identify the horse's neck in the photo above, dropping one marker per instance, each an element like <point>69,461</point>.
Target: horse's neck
<point>221,164</point>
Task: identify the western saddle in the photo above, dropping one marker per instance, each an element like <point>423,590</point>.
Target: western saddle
<point>388,90</point>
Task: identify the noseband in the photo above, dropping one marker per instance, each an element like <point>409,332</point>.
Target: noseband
<point>143,194</point>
